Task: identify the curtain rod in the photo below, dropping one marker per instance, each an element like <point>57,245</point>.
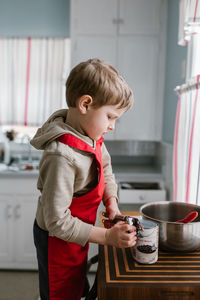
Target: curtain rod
<point>191,84</point>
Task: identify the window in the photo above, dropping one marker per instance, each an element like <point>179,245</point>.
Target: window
<point>32,78</point>
<point>193,58</point>
<point>186,157</point>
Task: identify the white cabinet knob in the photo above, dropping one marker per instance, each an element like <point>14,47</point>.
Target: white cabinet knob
<point>115,21</point>
<point>141,197</point>
<point>17,211</point>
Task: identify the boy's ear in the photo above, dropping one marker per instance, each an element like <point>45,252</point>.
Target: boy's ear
<point>84,103</point>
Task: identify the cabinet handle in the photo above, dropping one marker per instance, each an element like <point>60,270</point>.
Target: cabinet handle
<point>141,197</point>
<point>115,21</point>
<point>17,211</point>
<point>8,211</point>
<point>118,21</point>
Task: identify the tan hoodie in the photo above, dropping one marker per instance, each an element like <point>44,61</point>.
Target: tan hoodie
<point>65,173</point>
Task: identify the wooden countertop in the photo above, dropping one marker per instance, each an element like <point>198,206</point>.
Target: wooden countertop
<point>174,276</point>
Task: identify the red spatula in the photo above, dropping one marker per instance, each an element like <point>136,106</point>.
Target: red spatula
<point>189,218</point>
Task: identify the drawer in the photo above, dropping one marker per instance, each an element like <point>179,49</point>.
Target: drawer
<point>140,193</point>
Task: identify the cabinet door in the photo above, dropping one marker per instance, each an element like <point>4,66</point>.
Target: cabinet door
<point>93,17</point>
<point>86,47</point>
<point>24,215</point>
<point>6,219</point>
<point>139,16</point>
<point>139,64</point>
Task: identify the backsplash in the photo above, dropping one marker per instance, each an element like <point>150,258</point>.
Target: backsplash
<point>131,148</point>
<point>137,153</point>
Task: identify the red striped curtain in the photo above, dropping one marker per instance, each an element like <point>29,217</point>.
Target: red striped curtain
<point>32,79</point>
<point>194,56</point>
<point>186,157</point>
<point>189,20</point>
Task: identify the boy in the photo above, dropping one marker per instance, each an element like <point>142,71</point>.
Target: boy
<point>75,174</point>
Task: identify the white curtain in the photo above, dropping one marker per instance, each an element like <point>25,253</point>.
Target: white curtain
<point>193,56</point>
<point>189,20</point>
<point>186,157</point>
<point>32,79</point>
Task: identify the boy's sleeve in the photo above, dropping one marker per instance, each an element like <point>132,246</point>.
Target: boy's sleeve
<point>57,175</point>
<point>109,178</point>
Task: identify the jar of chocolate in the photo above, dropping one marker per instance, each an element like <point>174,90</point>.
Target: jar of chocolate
<point>146,249</point>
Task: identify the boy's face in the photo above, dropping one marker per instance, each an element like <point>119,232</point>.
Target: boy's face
<point>99,121</point>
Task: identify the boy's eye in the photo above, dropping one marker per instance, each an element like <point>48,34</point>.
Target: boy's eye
<point>112,117</point>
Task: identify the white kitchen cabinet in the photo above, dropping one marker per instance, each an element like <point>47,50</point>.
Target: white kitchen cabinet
<point>24,218</point>
<point>95,46</point>
<point>94,17</point>
<point>5,229</point>
<point>130,34</point>
<point>18,202</point>
<point>143,120</point>
<point>139,17</point>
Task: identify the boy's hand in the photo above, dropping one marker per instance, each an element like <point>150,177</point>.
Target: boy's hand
<point>121,235</point>
<point>112,208</point>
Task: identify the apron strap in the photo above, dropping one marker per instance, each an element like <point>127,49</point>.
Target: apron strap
<point>73,141</point>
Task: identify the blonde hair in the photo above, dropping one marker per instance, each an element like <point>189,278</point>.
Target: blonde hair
<point>101,81</point>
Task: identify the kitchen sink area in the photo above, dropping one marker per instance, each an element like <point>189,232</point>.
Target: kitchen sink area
<point>19,157</point>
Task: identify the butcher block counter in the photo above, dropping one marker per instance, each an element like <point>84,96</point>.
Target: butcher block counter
<point>175,276</point>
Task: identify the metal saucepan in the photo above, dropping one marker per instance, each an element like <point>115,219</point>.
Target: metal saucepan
<point>174,236</point>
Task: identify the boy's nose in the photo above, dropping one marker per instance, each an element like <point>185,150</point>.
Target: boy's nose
<point>111,126</point>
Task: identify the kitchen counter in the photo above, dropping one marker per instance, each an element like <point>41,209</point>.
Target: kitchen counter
<point>21,170</point>
<point>18,173</point>
<point>122,172</point>
<point>174,276</point>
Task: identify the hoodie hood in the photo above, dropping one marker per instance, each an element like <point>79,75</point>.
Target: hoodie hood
<point>54,127</point>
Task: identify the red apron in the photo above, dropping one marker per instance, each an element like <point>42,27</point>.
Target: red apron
<point>67,262</point>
